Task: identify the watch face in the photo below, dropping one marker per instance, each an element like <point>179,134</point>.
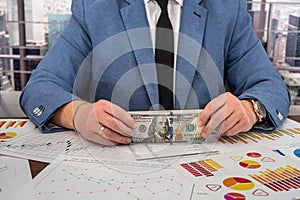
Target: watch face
<point>261,109</point>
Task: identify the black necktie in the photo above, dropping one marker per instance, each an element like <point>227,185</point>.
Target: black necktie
<point>164,56</point>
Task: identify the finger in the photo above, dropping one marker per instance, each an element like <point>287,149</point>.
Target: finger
<point>216,122</point>
<point>92,128</point>
<point>118,113</point>
<point>243,125</point>
<point>229,122</point>
<point>113,136</point>
<point>115,124</point>
<point>211,108</point>
<point>237,128</point>
<point>101,118</point>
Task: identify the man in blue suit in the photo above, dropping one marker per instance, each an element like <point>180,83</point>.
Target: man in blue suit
<point>103,65</point>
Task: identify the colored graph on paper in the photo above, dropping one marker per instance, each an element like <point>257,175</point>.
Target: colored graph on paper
<point>199,168</point>
<point>256,137</point>
<point>46,147</point>
<point>82,178</point>
<point>12,124</point>
<point>280,179</point>
<point>10,128</point>
<point>245,174</point>
<point>290,150</point>
<point>253,139</point>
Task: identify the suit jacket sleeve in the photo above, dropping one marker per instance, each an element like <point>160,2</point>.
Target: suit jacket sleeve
<point>250,74</point>
<point>51,84</point>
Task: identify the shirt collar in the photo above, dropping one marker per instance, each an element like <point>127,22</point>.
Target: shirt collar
<point>180,2</point>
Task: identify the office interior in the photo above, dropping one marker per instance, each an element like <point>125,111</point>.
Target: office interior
<point>28,28</point>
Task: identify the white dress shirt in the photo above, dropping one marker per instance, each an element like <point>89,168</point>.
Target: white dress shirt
<point>153,13</point>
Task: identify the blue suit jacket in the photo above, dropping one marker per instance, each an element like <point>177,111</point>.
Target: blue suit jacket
<point>105,52</point>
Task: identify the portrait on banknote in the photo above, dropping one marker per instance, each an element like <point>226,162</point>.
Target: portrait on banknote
<point>159,130</point>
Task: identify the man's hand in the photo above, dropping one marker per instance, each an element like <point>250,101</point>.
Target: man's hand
<point>226,114</point>
<point>102,122</point>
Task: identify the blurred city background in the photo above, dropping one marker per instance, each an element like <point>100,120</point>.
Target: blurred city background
<point>29,27</point>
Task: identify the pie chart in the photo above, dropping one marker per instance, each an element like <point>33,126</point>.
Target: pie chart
<point>7,135</point>
<point>249,164</point>
<point>253,155</point>
<point>234,196</point>
<point>297,153</point>
<point>238,183</point>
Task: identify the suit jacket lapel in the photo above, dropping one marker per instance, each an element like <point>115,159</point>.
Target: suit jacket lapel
<point>192,29</point>
<point>136,24</point>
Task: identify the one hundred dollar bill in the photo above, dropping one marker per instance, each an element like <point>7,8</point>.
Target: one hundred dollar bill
<point>166,126</point>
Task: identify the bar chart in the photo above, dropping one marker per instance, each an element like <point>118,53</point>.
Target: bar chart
<point>205,168</point>
<point>256,137</point>
<point>280,179</point>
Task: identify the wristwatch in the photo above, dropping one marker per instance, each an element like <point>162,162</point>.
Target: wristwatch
<point>259,110</point>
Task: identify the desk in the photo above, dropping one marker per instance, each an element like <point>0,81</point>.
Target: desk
<point>295,117</point>
<point>9,108</point>
<point>36,166</point>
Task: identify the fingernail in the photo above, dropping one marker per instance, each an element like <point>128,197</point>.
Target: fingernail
<point>131,133</point>
<point>200,123</point>
<point>203,134</point>
<point>128,140</point>
<point>133,125</point>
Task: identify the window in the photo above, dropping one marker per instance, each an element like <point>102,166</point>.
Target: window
<point>27,29</point>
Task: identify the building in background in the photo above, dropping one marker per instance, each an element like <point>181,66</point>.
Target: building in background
<point>273,31</point>
<point>57,23</point>
<point>4,50</point>
<point>33,16</point>
<point>35,51</point>
<point>279,49</point>
<point>44,20</point>
<point>293,41</point>
<point>258,14</point>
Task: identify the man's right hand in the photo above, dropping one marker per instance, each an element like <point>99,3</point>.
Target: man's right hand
<point>102,122</point>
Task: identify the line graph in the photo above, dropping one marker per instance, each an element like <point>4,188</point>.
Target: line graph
<point>86,178</point>
<point>46,147</point>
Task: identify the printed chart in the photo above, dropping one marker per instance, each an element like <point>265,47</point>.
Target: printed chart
<point>234,196</point>
<point>15,179</point>
<point>297,152</point>
<point>253,139</point>
<point>205,168</point>
<point>238,183</point>
<point>10,128</point>
<point>46,147</point>
<point>290,150</point>
<point>279,179</point>
<point>12,124</point>
<point>249,164</point>
<point>256,137</point>
<point>83,178</point>
<point>248,174</point>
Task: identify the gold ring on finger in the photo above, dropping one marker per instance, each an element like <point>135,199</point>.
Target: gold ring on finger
<point>101,132</point>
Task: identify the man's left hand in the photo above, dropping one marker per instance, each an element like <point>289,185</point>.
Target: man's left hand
<point>226,114</point>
